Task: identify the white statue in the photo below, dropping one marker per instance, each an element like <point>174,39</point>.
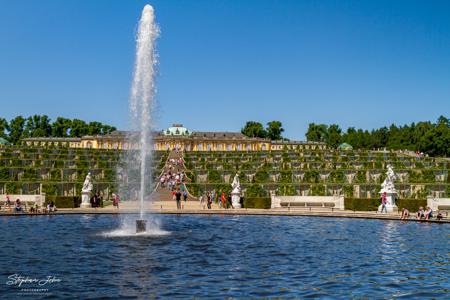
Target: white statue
<point>388,192</point>
<point>86,191</point>
<point>236,184</point>
<point>388,184</point>
<point>87,185</point>
<point>236,192</point>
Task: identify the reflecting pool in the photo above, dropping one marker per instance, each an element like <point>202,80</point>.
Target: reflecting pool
<point>223,257</point>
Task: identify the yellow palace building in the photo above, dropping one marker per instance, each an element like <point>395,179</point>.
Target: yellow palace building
<point>177,137</point>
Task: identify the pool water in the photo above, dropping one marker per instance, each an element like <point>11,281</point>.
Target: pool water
<point>218,257</point>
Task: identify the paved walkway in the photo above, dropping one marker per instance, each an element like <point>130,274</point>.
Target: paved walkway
<point>192,208</point>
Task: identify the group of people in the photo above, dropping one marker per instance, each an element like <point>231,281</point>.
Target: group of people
<point>421,214</point>
<point>97,200</point>
<point>18,207</point>
<point>222,200</point>
<point>178,193</point>
<point>172,179</point>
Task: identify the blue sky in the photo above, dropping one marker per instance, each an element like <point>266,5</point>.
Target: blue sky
<point>355,63</point>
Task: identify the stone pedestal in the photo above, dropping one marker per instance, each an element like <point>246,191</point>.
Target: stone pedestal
<point>390,203</point>
<point>85,200</point>
<point>236,200</point>
<point>141,226</point>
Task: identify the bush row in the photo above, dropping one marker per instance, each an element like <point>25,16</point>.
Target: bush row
<point>257,202</point>
<point>63,201</point>
<point>361,204</point>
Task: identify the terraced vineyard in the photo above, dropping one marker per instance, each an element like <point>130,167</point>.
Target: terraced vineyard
<point>61,171</point>
<point>355,174</point>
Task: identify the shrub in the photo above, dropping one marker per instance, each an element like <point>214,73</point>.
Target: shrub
<point>285,176</point>
<point>261,176</point>
<point>257,202</point>
<point>214,176</point>
<point>411,204</point>
<point>318,190</point>
<point>311,176</point>
<point>255,190</point>
<point>286,190</point>
<point>348,191</point>
<point>360,204</point>
<point>11,188</point>
<point>63,201</point>
<point>194,189</point>
<point>226,188</point>
<point>4,173</point>
<point>49,188</point>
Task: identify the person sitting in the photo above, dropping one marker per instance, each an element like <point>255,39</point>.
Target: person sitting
<point>18,206</point>
<point>36,208</point>
<point>428,213</point>
<point>439,216</point>
<point>405,214</point>
<point>51,207</point>
<point>420,213</point>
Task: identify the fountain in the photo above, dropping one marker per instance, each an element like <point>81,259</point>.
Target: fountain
<point>141,103</point>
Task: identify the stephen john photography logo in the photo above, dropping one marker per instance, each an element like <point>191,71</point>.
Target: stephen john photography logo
<point>28,285</point>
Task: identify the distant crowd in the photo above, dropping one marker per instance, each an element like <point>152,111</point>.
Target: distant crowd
<point>18,207</point>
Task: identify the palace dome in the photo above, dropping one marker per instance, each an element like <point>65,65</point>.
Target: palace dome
<point>177,129</point>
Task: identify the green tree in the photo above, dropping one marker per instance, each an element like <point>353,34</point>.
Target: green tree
<point>436,141</point>
<point>333,135</point>
<point>254,129</point>
<point>79,128</point>
<point>316,132</point>
<point>16,127</point>
<point>37,126</point>
<point>95,128</point>
<point>4,127</point>
<point>274,130</point>
<point>61,127</point>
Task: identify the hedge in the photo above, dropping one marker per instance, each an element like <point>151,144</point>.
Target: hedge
<point>361,204</point>
<point>64,201</point>
<point>257,202</point>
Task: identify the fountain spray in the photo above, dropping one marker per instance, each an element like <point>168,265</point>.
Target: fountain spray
<point>142,99</point>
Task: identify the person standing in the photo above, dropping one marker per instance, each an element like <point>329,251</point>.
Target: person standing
<point>116,200</point>
<point>178,198</point>
<point>223,200</point>
<point>202,202</point>
<point>208,200</point>
<point>185,196</point>
<point>383,203</point>
<point>8,201</point>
